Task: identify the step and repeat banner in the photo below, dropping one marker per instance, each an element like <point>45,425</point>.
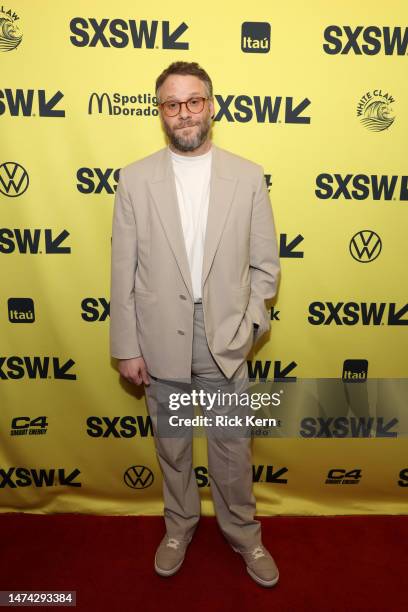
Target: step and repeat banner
<point>317,93</point>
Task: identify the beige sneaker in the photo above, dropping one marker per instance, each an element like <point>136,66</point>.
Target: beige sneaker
<point>260,565</point>
<point>170,556</point>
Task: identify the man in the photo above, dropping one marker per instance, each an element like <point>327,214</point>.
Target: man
<point>194,257</point>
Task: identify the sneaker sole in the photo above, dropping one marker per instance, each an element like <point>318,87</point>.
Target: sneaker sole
<point>265,583</point>
<point>170,572</point>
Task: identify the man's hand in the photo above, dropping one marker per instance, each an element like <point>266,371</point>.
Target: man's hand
<point>134,370</point>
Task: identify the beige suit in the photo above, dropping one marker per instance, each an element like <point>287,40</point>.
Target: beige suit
<point>151,302</point>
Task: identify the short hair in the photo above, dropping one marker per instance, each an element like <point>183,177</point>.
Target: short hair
<point>185,68</point>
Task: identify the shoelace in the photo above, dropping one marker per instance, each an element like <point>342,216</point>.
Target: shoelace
<point>258,552</point>
<point>173,543</point>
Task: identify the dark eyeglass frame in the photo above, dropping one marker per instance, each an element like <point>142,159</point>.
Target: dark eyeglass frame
<point>165,110</point>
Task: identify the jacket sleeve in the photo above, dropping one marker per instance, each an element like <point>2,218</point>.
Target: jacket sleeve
<point>264,254</point>
<point>123,334</point>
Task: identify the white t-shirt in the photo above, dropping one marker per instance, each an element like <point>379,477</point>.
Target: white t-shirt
<point>192,175</point>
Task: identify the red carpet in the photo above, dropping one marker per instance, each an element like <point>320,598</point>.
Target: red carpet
<point>349,564</point>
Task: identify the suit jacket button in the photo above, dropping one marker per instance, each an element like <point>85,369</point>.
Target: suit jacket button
<point>180,331</point>
<point>182,297</point>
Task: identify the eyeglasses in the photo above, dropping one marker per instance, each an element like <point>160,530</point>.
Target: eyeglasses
<point>194,105</point>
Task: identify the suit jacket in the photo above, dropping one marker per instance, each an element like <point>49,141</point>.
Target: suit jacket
<point>151,302</point>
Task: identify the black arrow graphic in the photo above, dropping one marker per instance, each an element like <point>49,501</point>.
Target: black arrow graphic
<point>383,429</point>
<point>286,249</point>
<point>292,114</point>
<point>395,316</point>
<point>169,40</point>
<point>60,371</point>
<point>52,245</point>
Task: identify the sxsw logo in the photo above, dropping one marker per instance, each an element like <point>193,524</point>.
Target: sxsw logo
<point>120,33</point>
<point>365,41</point>
<point>38,477</point>
<point>352,313</point>
<point>348,427</point>
<point>29,241</point>
<point>403,475</point>
<point>36,367</point>
<point>355,370</point>
<point>255,37</point>
<point>119,427</point>
<point>96,180</point>
<point>14,179</point>
<point>21,310</point>
<point>260,473</point>
<point>261,109</point>
<point>30,103</point>
<point>95,309</point>
<point>362,186</point>
<point>268,370</point>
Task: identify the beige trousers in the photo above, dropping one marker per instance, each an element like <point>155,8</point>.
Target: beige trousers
<point>229,450</point>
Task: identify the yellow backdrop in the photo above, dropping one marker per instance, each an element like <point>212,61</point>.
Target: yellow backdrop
<point>315,92</point>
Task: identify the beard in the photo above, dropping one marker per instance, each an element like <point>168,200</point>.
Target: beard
<point>188,142</point>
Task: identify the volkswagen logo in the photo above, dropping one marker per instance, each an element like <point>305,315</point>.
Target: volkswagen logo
<point>138,477</point>
<point>14,179</point>
<point>365,246</point>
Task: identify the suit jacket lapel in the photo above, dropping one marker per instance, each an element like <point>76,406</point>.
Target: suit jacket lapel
<point>164,192</point>
<point>222,188</point>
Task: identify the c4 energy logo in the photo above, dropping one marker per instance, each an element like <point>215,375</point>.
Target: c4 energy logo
<point>375,111</point>
<point>28,241</point>
<point>10,35</point>
<point>27,426</point>
<point>344,477</point>
<point>21,310</point>
<point>14,179</point>
<point>365,246</point>
<point>260,109</point>
<point>138,477</point>
<point>361,187</point>
<point>365,41</point>
<point>255,37</point>
<point>120,33</point>
<point>30,103</point>
<point>138,105</point>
